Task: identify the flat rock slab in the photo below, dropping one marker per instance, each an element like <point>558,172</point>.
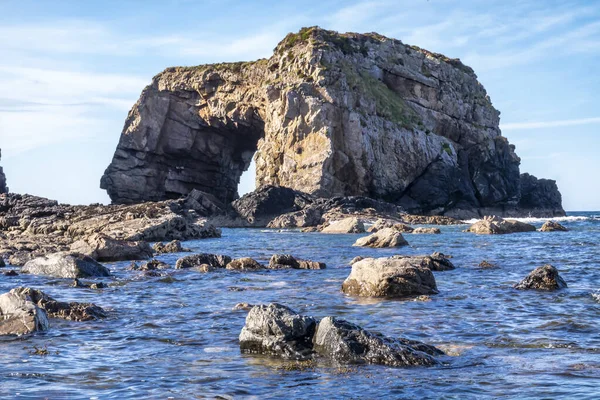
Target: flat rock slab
<point>346,225</point>
<point>65,265</point>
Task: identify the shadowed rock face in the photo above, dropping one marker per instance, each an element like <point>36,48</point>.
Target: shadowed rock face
<point>332,115</point>
<point>3,188</point>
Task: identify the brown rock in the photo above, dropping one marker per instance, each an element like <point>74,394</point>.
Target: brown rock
<point>387,237</point>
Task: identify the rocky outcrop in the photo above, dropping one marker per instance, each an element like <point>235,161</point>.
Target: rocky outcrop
<point>539,197</point>
<point>19,315</point>
<point>545,277</point>
<point>435,262</point>
<point>286,261</point>
<point>244,264</point>
<point>494,225</point>
<point>171,247</point>
<point>65,265</point>
<point>331,114</point>
<point>197,260</point>
<point>346,225</point>
<point>104,248</point>
<point>386,237</point>
<point>389,277</point>
<point>3,187</point>
<point>552,226</point>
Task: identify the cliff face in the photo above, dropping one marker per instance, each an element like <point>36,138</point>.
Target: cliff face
<point>329,114</point>
<point>3,187</point>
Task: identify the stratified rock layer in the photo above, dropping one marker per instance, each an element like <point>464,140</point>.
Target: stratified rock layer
<point>333,115</point>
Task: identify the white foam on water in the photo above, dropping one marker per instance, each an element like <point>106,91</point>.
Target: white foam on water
<point>534,220</point>
<point>596,296</point>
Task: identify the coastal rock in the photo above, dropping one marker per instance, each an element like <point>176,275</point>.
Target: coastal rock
<point>331,114</point>
<point>65,265</point>
<point>389,277</point>
<point>539,197</point>
<point>57,309</point>
<point>244,264</point>
<point>198,260</point>
<point>171,247</point>
<point>19,315</point>
<point>356,259</point>
<point>435,262</point>
<point>104,248</point>
<point>284,261</point>
<point>3,187</point>
<point>430,220</point>
<point>307,217</point>
<point>422,230</point>
<point>552,226</point>
<point>493,225</point>
<point>277,330</point>
<point>2,263</point>
<point>386,237</point>
<point>346,225</point>
<point>389,223</point>
<point>344,342</point>
<point>545,277</point>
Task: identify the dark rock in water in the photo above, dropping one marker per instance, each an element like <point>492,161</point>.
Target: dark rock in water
<point>197,260</point>
<point>493,225</point>
<point>2,263</point>
<point>390,277</point>
<point>386,237</point>
<point>551,226</point>
<point>344,342</point>
<point>104,248</point>
<point>545,277</point>
<point>11,272</point>
<point>96,285</point>
<point>19,315</point>
<point>435,262</point>
<point>57,309</point>
<point>486,264</point>
<point>65,265</point>
<point>282,261</point>
<point>540,197</point>
<point>151,265</point>
<point>277,330</point>
<point>244,264</point>
<point>3,187</point>
<point>171,247</point>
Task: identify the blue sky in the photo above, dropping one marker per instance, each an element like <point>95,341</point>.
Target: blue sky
<point>70,71</point>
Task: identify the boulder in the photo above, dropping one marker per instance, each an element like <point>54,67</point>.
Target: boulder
<point>244,264</point>
<point>551,226</point>
<point>65,265</point>
<point>346,225</point>
<point>277,330</point>
<point>19,315</point>
<point>389,277</point>
<point>389,223</point>
<point>493,225</point>
<point>57,309</point>
<point>545,277</point>
<point>435,262</point>
<point>308,217</point>
<point>344,342</point>
<point>284,261</point>
<point>487,264</point>
<point>213,261</point>
<point>387,237</point>
<point>151,265</point>
<point>356,259</point>
<point>104,248</point>
<point>427,231</point>
<point>171,247</point>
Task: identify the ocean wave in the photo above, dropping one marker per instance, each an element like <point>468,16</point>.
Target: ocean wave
<point>542,220</point>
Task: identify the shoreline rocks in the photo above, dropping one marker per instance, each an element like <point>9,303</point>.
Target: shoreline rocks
<point>72,311</point>
<point>545,278</point>
<point>386,237</point>
<point>65,265</point>
<point>552,226</point>
<point>285,261</point>
<point>493,225</point>
<point>346,225</point>
<point>104,248</point>
<point>20,316</point>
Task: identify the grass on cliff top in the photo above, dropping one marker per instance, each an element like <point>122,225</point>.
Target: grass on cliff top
<point>346,42</point>
<point>236,67</point>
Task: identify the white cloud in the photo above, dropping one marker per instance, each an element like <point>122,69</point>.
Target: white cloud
<point>548,124</point>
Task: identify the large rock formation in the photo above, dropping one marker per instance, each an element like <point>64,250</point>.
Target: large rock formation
<point>333,115</point>
<point>3,187</point>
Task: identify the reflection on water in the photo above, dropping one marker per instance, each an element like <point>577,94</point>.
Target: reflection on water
<point>178,336</point>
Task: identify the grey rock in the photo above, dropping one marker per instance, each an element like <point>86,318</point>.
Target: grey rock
<point>212,261</point>
<point>346,225</point>
<point>386,237</point>
<point>435,262</point>
<point>244,264</point>
<point>422,230</point>
<point>552,226</point>
<point>73,311</point>
<point>389,223</point>
<point>3,187</point>
<point>494,225</point>
<point>20,316</point>
<point>65,265</point>
<point>104,248</point>
<point>277,330</point>
<point>171,247</point>
<point>545,277</point>
<point>284,261</point>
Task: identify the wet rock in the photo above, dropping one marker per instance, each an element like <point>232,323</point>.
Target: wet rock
<point>344,342</point>
<point>346,225</point>
<point>430,220</point>
<point>244,264</point>
<point>171,247</point>
<point>19,315</point>
<point>205,204</point>
<point>212,261</point>
<point>387,237</point>
<point>104,248</point>
<point>242,307</point>
<point>57,309</point>
<point>310,216</point>
<point>283,261</point>
<point>96,285</point>
<point>435,262</point>
<point>545,277</point>
<point>389,223</point>
<point>11,272</point>
<point>487,264</point>
<point>151,265</point>
<point>65,265</point>
<point>539,197</point>
<point>390,277</point>
<point>435,231</point>
<point>493,225</point>
<point>277,330</point>
<point>2,263</point>
<point>551,226</point>
<point>356,259</point>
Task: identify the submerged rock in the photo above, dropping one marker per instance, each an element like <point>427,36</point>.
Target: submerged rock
<point>57,309</point>
<point>344,342</point>
<point>386,237</point>
<point>212,261</point>
<point>390,277</point>
<point>65,265</point>
<point>244,264</point>
<point>277,330</point>
<point>283,261</point>
<point>19,315</point>
<point>171,247</point>
<point>493,225</point>
<point>545,277</point>
<point>551,226</point>
<point>346,225</point>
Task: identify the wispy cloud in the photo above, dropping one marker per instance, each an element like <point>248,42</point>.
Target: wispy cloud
<point>549,124</point>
